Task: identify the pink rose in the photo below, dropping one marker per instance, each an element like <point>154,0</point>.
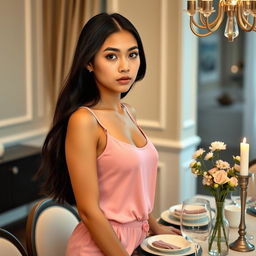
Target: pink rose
<point>220,177</point>
<point>212,171</point>
<point>207,181</point>
<point>233,182</point>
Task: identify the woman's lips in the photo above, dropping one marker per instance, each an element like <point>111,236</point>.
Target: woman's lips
<point>124,80</point>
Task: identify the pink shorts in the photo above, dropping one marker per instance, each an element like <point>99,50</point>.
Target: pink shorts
<point>130,234</point>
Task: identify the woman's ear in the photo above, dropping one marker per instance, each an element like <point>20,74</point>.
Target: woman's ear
<point>89,67</point>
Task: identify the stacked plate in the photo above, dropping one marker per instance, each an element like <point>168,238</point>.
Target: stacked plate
<point>194,216</point>
<point>178,245</point>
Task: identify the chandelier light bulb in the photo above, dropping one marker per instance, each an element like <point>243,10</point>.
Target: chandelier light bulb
<point>231,29</point>
<point>239,13</point>
<point>233,2</point>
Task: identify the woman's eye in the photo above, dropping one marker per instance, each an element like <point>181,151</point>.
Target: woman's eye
<point>133,54</point>
<point>111,56</point>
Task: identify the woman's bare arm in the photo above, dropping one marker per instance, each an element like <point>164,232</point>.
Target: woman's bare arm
<point>158,229</point>
<point>81,153</point>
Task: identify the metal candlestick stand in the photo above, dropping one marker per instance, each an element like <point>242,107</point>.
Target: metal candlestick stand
<point>241,244</point>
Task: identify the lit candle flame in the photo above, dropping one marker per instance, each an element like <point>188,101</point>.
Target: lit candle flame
<point>244,140</point>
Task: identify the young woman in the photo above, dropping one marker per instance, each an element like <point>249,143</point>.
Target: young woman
<point>95,153</point>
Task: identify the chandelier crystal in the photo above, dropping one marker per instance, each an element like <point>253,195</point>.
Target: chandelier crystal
<point>240,13</point>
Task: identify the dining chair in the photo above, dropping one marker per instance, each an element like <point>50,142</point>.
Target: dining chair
<point>10,245</point>
<point>49,226</point>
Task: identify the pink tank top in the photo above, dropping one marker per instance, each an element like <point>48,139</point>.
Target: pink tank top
<point>127,178</point>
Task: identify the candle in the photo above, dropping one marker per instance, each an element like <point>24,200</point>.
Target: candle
<point>244,158</point>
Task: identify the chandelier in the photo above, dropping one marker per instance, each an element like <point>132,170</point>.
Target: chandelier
<point>239,12</point>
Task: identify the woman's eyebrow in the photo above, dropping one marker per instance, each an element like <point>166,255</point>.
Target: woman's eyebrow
<point>117,50</point>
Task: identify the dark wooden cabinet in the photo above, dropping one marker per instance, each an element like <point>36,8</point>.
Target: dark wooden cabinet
<point>17,170</point>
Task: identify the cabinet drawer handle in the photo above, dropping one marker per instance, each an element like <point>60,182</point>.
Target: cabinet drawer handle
<point>15,170</point>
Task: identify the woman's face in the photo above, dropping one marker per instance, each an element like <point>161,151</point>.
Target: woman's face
<point>116,64</point>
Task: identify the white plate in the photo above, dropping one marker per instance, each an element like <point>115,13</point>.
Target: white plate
<point>189,207</point>
<point>167,217</point>
<point>172,210</point>
<point>171,239</point>
<point>144,246</point>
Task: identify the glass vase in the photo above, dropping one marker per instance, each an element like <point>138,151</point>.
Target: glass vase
<point>218,240</point>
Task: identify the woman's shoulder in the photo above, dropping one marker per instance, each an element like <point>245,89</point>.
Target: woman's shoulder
<point>84,118</point>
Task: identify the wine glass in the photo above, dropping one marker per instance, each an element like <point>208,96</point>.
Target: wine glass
<point>196,221</point>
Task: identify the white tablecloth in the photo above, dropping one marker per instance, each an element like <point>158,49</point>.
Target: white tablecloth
<point>250,222</point>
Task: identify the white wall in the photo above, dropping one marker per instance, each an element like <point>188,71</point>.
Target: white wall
<point>249,117</point>
<point>24,101</point>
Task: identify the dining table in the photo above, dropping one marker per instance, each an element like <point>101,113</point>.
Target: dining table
<point>250,222</point>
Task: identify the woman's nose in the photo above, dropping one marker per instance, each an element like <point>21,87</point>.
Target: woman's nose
<point>124,66</point>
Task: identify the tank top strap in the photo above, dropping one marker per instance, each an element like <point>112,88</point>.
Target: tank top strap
<point>132,118</point>
<point>95,116</point>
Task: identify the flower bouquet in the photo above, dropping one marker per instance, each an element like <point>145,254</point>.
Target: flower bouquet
<point>220,179</point>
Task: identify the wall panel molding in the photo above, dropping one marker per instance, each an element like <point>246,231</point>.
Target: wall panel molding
<point>188,75</point>
<point>22,136</point>
<point>162,174</point>
<point>160,195</point>
<point>188,124</point>
<point>28,70</point>
<point>161,123</point>
<point>175,145</point>
<point>42,100</point>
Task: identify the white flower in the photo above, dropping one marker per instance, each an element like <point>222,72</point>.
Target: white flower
<point>222,164</point>
<point>217,145</point>
<point>192,164</point>
<point>208,156</point>
<point>198,153</point>
<point>237,158</point>
<point>194,171</point>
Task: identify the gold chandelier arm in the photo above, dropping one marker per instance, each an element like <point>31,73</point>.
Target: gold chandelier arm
<point>202,19</point>
<point>253,26</point>
<point>196,33</point>
<point>197,25</point>
<point>217,22</point>
<point>243,22</point>
<point>215,25</point>
<point>218,19</point>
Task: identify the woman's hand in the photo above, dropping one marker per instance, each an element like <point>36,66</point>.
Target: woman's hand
<point>162,229</point>
<point>159,229</point>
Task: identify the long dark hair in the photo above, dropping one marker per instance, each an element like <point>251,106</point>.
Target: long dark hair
<point>79,89</point>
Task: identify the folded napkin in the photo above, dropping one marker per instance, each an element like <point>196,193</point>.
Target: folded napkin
<point>196,211</point>
<point>164,245</point>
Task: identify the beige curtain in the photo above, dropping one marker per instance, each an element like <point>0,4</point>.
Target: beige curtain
<point>62,23</point>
